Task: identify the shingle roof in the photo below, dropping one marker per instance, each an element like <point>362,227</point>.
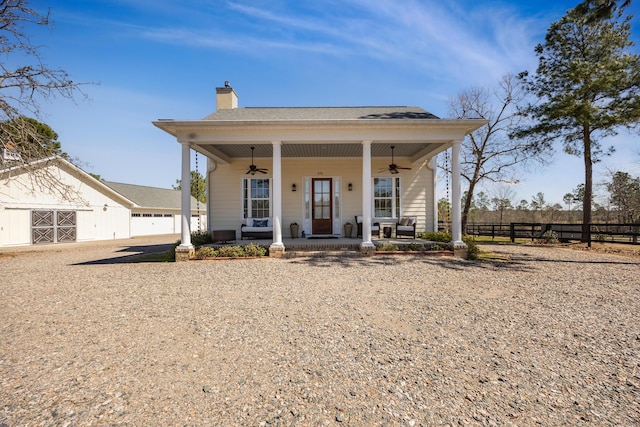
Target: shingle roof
<point>151,197</point>
<point>321,113</point>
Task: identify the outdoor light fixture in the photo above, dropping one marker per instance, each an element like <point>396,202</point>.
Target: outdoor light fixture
<point>293,187</point>
<point>350,187</point>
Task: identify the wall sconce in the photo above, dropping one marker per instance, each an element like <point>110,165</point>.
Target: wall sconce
<point>104,208</point>
<point>350,187</point>
<point>293,187</point>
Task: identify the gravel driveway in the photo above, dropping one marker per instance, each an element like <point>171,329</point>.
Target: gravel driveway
<point>87,338</point>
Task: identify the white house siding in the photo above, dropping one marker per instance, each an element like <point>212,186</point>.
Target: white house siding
<point>18,198</point>
<point>225,189</point>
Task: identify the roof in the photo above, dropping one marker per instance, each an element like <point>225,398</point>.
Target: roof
<point>151,197</point>
<point>321,113</point>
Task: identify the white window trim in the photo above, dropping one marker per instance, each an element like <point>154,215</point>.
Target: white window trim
<point>394,197</point>
<point>249,196</point>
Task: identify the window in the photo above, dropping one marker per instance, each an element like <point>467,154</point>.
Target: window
<point>256,198</point>
<point>386,197</point>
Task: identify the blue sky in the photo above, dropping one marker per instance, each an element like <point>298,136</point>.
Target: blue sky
<point>154,59</point>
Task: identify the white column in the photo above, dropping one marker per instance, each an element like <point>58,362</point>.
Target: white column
<point>366,194</point>
<point>277,194</point>
<point>456,195</point>
<point>433,165</point>
<point>185,185</point>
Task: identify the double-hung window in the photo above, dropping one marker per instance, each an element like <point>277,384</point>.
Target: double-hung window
<point>386,197</point>
<point>256,197</point>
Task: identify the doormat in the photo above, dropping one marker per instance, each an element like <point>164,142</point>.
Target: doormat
<point>322,237</point>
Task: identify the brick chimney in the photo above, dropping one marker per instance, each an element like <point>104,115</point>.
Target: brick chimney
<point>226,97</point>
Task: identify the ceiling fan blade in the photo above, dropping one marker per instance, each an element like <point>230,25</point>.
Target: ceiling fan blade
<point>400,167</point>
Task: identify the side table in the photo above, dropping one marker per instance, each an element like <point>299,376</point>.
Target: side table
<point>223,235</point>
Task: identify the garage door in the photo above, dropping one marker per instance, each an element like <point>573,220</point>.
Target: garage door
<point>146,224</point>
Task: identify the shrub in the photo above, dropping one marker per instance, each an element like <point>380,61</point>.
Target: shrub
<point>253,249</point>
<point>231,251</point>
<point>440,236</point>
<point>414,247</point>
<point>206,252</point>
<point>199,238</point>
<point>549,237</point>
<point>472,247</point>
<point>387,247</point>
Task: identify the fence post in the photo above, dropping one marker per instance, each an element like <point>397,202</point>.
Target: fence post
<point>512,233</point>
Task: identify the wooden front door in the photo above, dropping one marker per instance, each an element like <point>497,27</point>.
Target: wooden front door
<point>322,208</point>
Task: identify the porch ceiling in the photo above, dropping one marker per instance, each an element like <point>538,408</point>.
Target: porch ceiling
<point>300,150</point>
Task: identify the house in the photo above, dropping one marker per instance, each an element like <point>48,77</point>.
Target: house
<point>319,167</point>
<point>54,201</point>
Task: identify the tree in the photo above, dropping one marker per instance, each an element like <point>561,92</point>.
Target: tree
<point>25,81</point>
<point>42,142</point>
<point>587,88</point>
<point>198,186</point>
<point>501,201</point>
<point>538,203</point>
<point>488,154</point>
<point>601,9</point>
<point>624,195</point>
<point>444,212</point>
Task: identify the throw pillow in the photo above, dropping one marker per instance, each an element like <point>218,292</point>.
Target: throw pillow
<point>260,222</point>
<point>404,220</point>
<point>411,222</point>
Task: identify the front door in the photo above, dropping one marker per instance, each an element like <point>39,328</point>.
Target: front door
<point>321,209</point>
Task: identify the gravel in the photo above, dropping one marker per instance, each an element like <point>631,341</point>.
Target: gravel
<point>551,337</point>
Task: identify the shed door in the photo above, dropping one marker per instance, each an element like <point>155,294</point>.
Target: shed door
<point>322,208</point>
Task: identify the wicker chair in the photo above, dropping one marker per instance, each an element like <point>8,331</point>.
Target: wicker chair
<point>406,226</point>
<point>375,227</point>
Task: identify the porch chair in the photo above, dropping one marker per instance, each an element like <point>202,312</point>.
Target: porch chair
<point>406,226</point>
<point>375,227</point>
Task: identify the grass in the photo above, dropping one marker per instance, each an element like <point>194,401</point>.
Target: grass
<point>166,256</point>
<point>487,240</point>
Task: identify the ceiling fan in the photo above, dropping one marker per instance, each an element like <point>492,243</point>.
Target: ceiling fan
<point>393,168</point>
<point>253,168</point>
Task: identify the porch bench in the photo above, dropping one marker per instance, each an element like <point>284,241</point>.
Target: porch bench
<point>257,228</point>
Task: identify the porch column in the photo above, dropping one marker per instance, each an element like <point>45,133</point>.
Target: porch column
<point>366,244</point>
<point>185,249</point>
<point>433,165</point>
<point>277,248</point>
<point>456,195</point>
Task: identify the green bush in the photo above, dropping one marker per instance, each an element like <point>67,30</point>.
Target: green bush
<point>387,247</point>
<point>413,247</point>
<point>253,249</point>
<point>199,238</point>
<point>472,247</point>
<point>440,236</point>
<point>549,237</point>
<point>206,252</point>
<point>231,252</point>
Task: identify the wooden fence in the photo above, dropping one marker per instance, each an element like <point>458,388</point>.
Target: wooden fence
<point>613,233</point>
